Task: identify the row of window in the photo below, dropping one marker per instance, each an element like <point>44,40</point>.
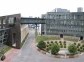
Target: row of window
<point>56,30</point>
<point>10,20</point>
<point>64,16</point>
<point>66,22</point>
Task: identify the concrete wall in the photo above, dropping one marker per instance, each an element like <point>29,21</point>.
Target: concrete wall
<point>24,31</point>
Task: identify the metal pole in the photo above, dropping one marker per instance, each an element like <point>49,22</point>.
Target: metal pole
<point>36,30</point>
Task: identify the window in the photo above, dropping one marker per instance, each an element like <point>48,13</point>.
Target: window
<point>0,21</point>
<point>11,20</point>
<point>0,27</point>
<point>4,21</point>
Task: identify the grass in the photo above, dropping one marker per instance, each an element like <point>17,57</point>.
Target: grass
<point>4,49</point>
<point>69,38</point>
<point>44,38</point>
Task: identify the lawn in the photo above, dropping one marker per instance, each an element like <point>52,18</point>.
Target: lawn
<point>44,38</point>
<point>71,38</point>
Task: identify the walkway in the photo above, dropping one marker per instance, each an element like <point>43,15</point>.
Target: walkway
<point>28,53</point>
<point>10,55</point>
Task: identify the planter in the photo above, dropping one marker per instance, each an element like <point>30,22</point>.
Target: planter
<point>43,52</point>
<point>39,49</point>
<point>57,56</point>
<point>71,56</point>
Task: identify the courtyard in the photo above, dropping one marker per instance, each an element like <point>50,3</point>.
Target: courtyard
<point>29,53</point>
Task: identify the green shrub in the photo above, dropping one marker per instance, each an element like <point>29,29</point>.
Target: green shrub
<point>47,42</point>
<point>74,43</point>
<point>78,44</point>
<point>60,42</point>
<point>78,49</point>
<point>55,41</point>
<point>72,49</point>
<point>55,49</point>
<point>51,41</point>
<point>83,49</point>
<point>64,42</point>
<point>41,45</point>
<point>61,46</point>
<point>47,45</point>
<point>48,48</point>
<point>64,45</point>
<point>83,45</point>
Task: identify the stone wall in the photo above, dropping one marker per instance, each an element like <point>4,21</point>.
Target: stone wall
<point>24,31</point>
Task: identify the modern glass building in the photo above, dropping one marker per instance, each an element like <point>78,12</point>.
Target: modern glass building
<point>66,23</point>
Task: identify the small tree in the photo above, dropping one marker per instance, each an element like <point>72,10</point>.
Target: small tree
<point>55,49</point>
<point>41,45</point>
<point>72,49</point>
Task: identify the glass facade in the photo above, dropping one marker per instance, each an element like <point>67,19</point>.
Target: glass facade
<point>67,23</point>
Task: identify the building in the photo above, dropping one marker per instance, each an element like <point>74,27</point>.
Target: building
<point>79,9</point>
<point>12,31</point>
<point>66,23</point>
<point>60,10</point>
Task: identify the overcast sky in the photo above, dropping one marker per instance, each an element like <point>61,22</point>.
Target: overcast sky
<point>37,7</point>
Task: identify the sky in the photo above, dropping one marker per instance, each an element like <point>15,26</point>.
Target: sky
<point>36,8</point>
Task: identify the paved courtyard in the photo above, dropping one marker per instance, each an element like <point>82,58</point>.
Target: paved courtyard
<point>28,53</point>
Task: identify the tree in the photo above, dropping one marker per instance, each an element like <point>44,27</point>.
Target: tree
<point>72,49</point>
<point>41,45</point>
<point>55,49</point>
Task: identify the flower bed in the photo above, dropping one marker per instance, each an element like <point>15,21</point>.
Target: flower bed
<point>53,47</point>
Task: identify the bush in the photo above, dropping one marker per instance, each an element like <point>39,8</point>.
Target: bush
<point>55,49</point>
<point>47,42</point>
<point>55,41</point>
<point>51,41</point>
<point>41,45</point>
<point>74,43</point>
<point>48,48</point>
<point>47,45</point>
<point>61,45</point>
<point>78,44</point>
<point>64,45</point>
<point>60,42</point>
<point>72,49</point>
<point>78,49</point>
<point>83,49</point>
<point>64,42</point>
<point>83,45</point>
